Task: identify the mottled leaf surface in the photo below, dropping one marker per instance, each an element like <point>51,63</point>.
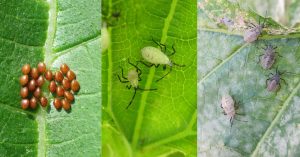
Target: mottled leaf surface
<point>269,122</point>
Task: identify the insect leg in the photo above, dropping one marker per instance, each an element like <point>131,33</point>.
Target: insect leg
<point>283,81</point>
<point>128,86</point>
<point>146,64</point>
<point>123,74</point>
<point>146,89</point>
<point>122,80</point>
<point>165,74</point>
<point>137,68</point>
<point>162,46</point>
<point>131,99</point>
<point>174,51</point>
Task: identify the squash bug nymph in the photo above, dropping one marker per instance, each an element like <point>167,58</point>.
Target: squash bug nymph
<point>133,77</point>
<point>157,57</point>
<point>254,31</point>
<point>229,107</point>
<point>273,82</point>
<point>268,58</point>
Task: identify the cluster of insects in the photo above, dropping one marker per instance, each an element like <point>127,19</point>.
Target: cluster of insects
<point>266,61</point>
<point>153,57</point>
<point>32,82</point>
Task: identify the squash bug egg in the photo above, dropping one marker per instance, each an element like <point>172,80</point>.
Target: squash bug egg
<point>273,82</point>
<point>71,75</point>
<point>48,75</point>
<point>133,77</point>
<point>66,84</point>
<point>41,68</point>
<point>157,57</point>
<point>26,69</point>
<point>64,68</point>
<point>69,96</point>
<point>58,76</point>
<point>75,86</point>
<point>254,31</point>
<point>268,58</point>
<point>24,104</point>
<point>24,92</point>
<point>52,87</point>
<point>33,102</point>
<point>34,73</point>
<point>37,93</point>
<point>31,85</point>
<point>44,101</point>
<point>57,103</point>
<point>60,91</point>
<point>65,104</point>
<point>24,80</point>
<point>40,81</point>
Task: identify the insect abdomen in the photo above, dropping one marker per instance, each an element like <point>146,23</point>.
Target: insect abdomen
<point>154,55</point>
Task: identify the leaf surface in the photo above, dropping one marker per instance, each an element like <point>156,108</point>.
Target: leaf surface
<point>53,32</point>
<point>269,121</point>
<point>161,122</point>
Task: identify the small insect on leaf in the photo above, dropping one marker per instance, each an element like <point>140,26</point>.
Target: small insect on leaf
<point>33,103</point>
<point>156,57</point>
<point>44,101</point>
<point>64,68</point>
<point>24,104</point>
<point>75,86</point>
<point>24,92</point>
<point>58,76</point>
<point>254,31</point>
<point>273,82</point>
<point>32,85</point>
<point>268,58</point>
<point>133,78</point>
<point>57,103</point>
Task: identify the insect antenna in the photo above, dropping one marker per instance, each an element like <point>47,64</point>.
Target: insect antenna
<point>131,98</point>
<point>165,74</point>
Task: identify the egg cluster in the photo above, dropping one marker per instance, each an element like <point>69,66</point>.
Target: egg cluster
<point>62,84</point>
<point>32,81</point>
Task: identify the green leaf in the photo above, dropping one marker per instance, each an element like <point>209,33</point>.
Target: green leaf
<point>269,121</point>
<point>54,32</point>
<point>162,122</point>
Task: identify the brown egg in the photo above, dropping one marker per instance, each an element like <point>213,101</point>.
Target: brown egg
<point>24,80</point>
<point>52,87</point>
<point>24,104</point>
<point>40,81</point>
<point>57,103</point>
<point>71,75</point>
<point>48,75</point>
<point>69,96</point>
<point>58,76</point>
<point>24,92</point>
<point>44,101</point>
<point>60,91</point>
<point>34,73</point>
<point>37,93</point>
<point>26,69</point>
<point>75,86</point>
<point>41,68</point>
<point>66,84</point>
<point>33,102</point>
<point>64,68</point>
<point>31,85</point>
<point>65,104</point>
